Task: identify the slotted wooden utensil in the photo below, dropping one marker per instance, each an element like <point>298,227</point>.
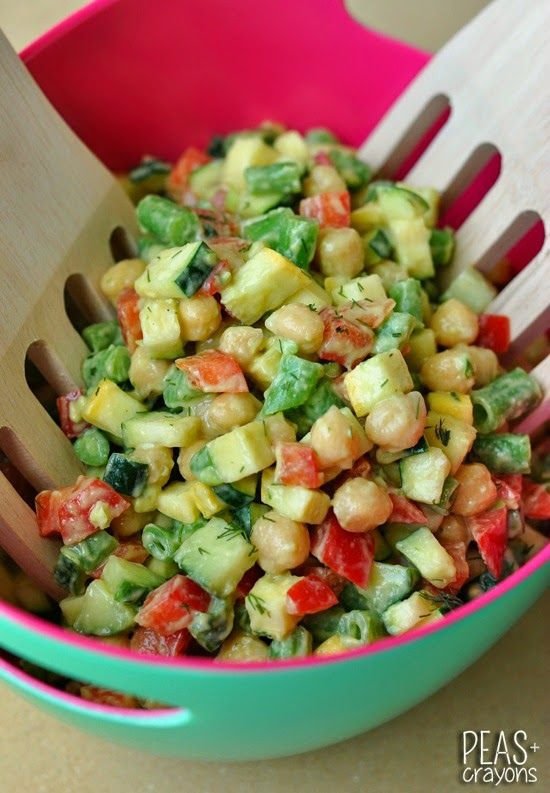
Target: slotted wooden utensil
<point>60,207</point>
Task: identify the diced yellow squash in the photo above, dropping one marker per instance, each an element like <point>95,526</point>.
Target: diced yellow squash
<point>293,501</point>
<point>241,646</point>
<point>148,500</point>
<point>312,295</point>
<point>332,646</point>
<point>427,554</point>
<point>292,146</point>
<point>161,328</point>
<point>244,152</point>
<point>455,438</point>
<point>266,606</point>
<point>264,366</point>
<point>206,500</point>
<point>411,240</point>
<point>161,428</point>
<point>109,407</point>
<point>367,217</point>
<point>449,403</point>
<point>177,501</point>
<point>244,451</point>
<point>377,378</point>
<point>366,287</point>
<point>422,345</point>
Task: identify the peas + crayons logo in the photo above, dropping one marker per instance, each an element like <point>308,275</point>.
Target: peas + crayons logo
<point>494,757</point>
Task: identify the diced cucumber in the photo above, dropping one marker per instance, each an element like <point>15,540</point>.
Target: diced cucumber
<point>366,287</point>
<point>442,246</point>
<point>411,240</point>
<point>248,515</point>
<point>429,557</point>
<point>361,626</point>
<point>293,501</point>
<point>100,614</point>
<point>266,606</point>
<point>402,616</point>
<point>473,289</point>
<point>109,407</point>
<point>312,295</point>
<point>217,556</point>
<point>177,393</point>
<point>161,328</point>
<point>398,203</point>
<point>422,345</point>
<point>205,180</point>
<point>211,627</point>
<point>378,247</point>
<point>394,332</point>
<point>207,501</point>
<point>423,475</point>
<point>449,489</point>
<point>161,428</point>
<point>293,385</point>
<point>250,206</point>
<point>129,582</point>
<point>76,562</point>
<point>240,493</point>
<point>298,644</point>
<point>126,476</point>
<point>377,378</point>
<point>177,272</point>
<point>388,583</point>
<point>165,568</point>
<point>395,532</point>
<point>262,284</point>
<point>455,438</point>
<point>408,297</point>
<point>177,500</point>
<point>381,548</point>
<point>237,454</point>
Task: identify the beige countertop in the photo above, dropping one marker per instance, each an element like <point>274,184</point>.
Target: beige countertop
<point>504,690</point>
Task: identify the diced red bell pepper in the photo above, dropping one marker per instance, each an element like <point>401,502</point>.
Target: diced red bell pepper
<point>148,642</point>
<point>248,580</point>
<point>178,179</point>
<point>344,341</point>
<point>213,372</point>
<point>330,209</point>
<point>127,309</point>
<point>405,511</point>
<point>536,501</point>
<point>458,552</point>
<point>488,530</point>
<point>494,332</point>
<point>297,464</point>
<point>309,595</point>
<point>68,511</point>
<point>348,554</point>
<point>322,158</point>
<point>509,489</point>
<point>72,429</point>
<point>170,607</point>
<point>216,280</point>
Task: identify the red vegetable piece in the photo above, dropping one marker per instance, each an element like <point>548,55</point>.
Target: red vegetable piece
<point>348,554</point>
<point>405,511</point>
<point>297,464</point>
<point>330,209</point>
<point>127,309</point>
<point>309,595</point>
<point>322,158</point>
<point>47,504</point>
<point>178,179</point>
<point>536,501</point>
<point>75,508</point>
<point>72,429</point>
<point>213,372</point>
<point>458,552</point>
<point>488,529</point>
<point>248,580</point>
<point>509,489</point>
<point>170,607</point>
<point>148,642</point>
<point>344,341</point>
<point>216,280</point>
<point>494,332</point>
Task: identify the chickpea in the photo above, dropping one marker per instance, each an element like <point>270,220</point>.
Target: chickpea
<point>397,423</point>
<point>323,179</point>
<point>146,373</point>
<point>338,439</point>
<point>453,529</point>
<point>476,490</point>
<point>282,543</point>
<point>340,252</point>
<point>199,317</point>
<point>298,323</point>
<point>119,277</point>
<point>485,363</point>
<point>361,505</point>
<point>228,411</point>
<point>242,342</point>
<point>160,461</point>
<point>130,522</point>
<point>451,370</point>
<point>454,323</point>
<point>184,458</point>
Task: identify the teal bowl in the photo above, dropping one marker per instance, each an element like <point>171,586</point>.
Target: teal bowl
<point>306,67</point>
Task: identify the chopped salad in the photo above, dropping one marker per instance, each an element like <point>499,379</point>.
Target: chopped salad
<point>293,442</point>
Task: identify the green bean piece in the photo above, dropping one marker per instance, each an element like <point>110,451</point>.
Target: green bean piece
<point>354,172</point>
<point>442,246</point>
<point>408,297</point>
<point>111,364</point>
<point>160,543</point>
<point>504,453</point>
<point>76,562</point>
<point>168,222</point>
<point>92,447</point>
<point>279,177</point>
<point>324,624</point>
<point>297,644</point>
<point>508,397</point>
<point>101,335</point>
<point>360,625</point>
<point>394,332</point>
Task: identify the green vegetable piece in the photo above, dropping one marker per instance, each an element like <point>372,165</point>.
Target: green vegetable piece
<point>449,487</point>
<point>279,177</point>
<point>126,476</point>
<point>471,288</point>
<point>101,335</point>
<point>203,468</point>
<point>442,246</point>
<point>197,271</point>
<point>322,398</point>
<point>210,628</point>
<point>242,617</point>
<point>177,392</point>
<point>248,515</point>
<point>361,626</point>
<point>320,135</point>
<point>127,581</point>
<point>92,447</point>
<point>149,248</point>
<point>162,543</point>
<point>504,453</point>
<point>292,236</point>
<point>378,247</point>
<point>324,624</point>
<point>234,496</point>
<point>113,363</point>
<point>508,397</point>
<point>170,223</point>
<point>408,297</point>
<point>394,332</point>
<point>294,383</point>
<point>298,644</point>
<point>353,171</point>
<point>388,583</point>
<point>76,562</point>
<point>165,569</point>
<point>353,598</point>
<point>148,167</point>
<point>100,614</point>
